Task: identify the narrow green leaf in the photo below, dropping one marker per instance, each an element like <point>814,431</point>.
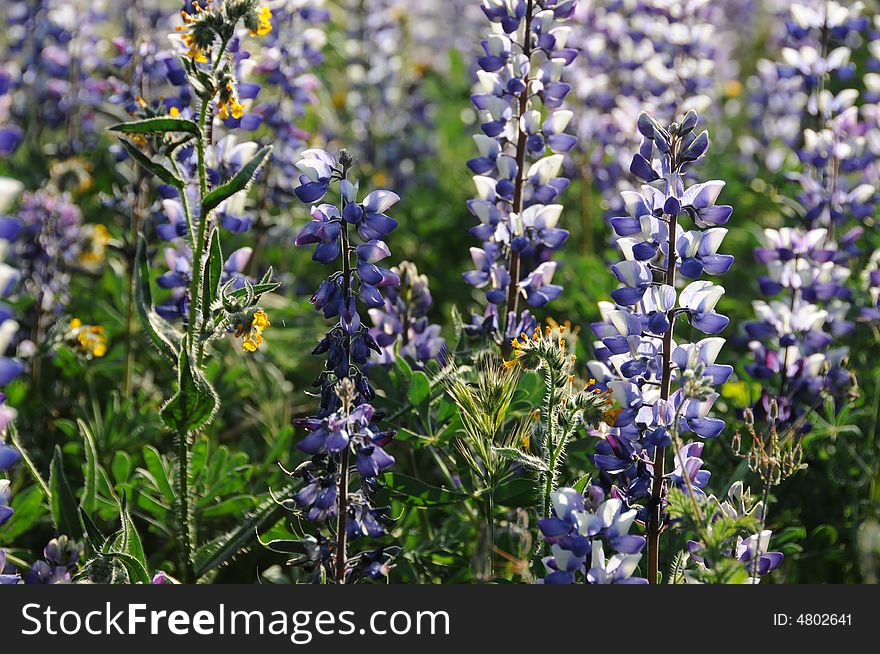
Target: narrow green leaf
<point>159,471</point>
<point>581,484</point>
<point>65,511</point>
<point>29,463</point>
<point>162,172</point>
<point>239,181</point>
<point>156,125</point>
<point>224,548</point>
<point>121,467</point>
<point>157,328</point>
<point>95,537</point>
<point>90,469</point>
<point>522,458</point>
<point>418,493</point>
<point>258,289</point>
<point>131,542</point>
<point>213,270</point>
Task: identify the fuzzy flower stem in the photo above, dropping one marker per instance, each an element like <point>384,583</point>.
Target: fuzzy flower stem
<point>549,404</point>
<point>186,525</point>
<point>513,263</point>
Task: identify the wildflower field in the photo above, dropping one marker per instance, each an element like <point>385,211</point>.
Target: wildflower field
<point>422,291</point>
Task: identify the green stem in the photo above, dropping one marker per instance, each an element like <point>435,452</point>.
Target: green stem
<point>490,533</point>
<point>186,528</point>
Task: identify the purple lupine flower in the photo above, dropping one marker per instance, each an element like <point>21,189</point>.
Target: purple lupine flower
<point>828,150</point>
<point>401,326</point>
<point>752,550</point>
<point>343,436</point>
<point>61,558</point>
<point>284,63</point>
<point>646,367</point>
<point>8,576</point>
<point>63,86</point>
<point>577,532</point>
<point>653,56</point>
<point>386,115</point>
<point>518,170</point>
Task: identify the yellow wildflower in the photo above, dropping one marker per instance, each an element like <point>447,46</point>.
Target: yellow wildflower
<point>89,339</point>
<point>252,335</point>
<point>264,24</point>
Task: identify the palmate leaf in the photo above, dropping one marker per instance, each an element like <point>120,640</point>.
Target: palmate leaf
<point>195,402</point>
<point>239,181</point>
<point>159,169</point>
<point>156,125</point>
<point>161,332</point>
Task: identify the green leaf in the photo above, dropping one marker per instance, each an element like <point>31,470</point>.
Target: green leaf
<point>224,548</point>
<point>96,539</point>
<point>159,330</point>
<point>131,541</point>
<point>258,289</point>
<point>29,464</point>
<point>581,484</point>
<point>239,181</point>
<point>213,270</point>
<point>29,509</point>
<point>65,510</point>
<point>522,458</point>
<point>159,471</point>
<point>195,402</point>
<point>121,467</point>
<point>156,125</point>
<point>159,170</point>
<point>137,573</point>
<point>418,493</point>
<point>419,388</point>
<point>238,504</point>
<point>90,469</point>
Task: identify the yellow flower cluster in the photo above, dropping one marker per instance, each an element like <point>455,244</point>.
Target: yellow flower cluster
<point>90,339</point>
<point>253,334</point>
<point>99,238</point>
<point>549,342</point>
<point>264,24</point>
<point>548,348</point>
<point>228,105</point>
<point>194,52</point>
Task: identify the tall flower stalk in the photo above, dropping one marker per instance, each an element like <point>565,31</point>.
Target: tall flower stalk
<point>211,309</point>
<point>343,439</point>
<point>639,358</point>
<point>518,173</point>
